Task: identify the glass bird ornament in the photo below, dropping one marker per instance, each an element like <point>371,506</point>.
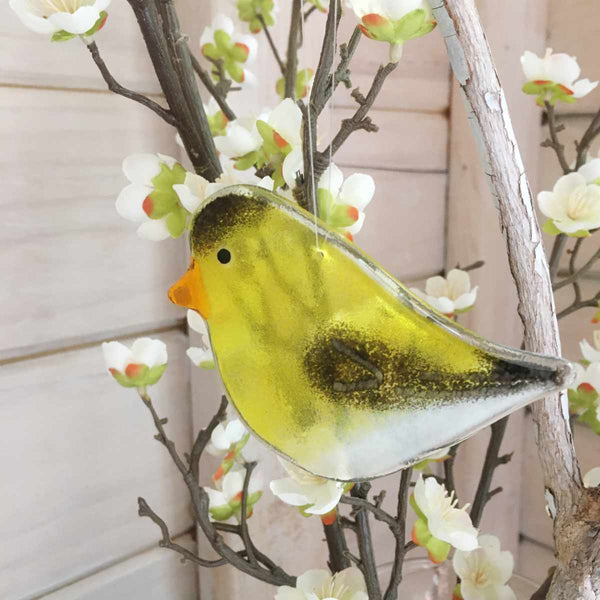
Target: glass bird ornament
<point>327,357</point>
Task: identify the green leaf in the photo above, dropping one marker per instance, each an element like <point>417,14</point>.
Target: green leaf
<point>99,24</point>
<point>340,216</point>
<point>416,508</point>
<point>207,364</point>
<point>582,233</point>
<point>533,89</point>
<point>266,133</point>
<point>175,222</point>
<point>590,418</point>
<point>211,51</point>
<point>162,202</point>
<point>154,374</point>
<point>234,70</point>
<point>239,53</point>
<point>409,26</point>
<point>421,532</point>
<point>222,41</point>
<point>247,161</point>
<point>221,513</point>
<point>550,228</point>
<point>438,550</point>
<point>62,36</point>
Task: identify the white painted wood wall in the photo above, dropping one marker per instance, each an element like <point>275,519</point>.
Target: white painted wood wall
<point>77,450</point>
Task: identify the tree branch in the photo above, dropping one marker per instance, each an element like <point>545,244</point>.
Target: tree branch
<point>391,592</point>
<point>554,142</point>
<point>378,513</point>
<point>291,68</point>
<point>586,140</point>
<point>492,461</point>
<point>577,542</point>
<point>336,544</point>
<point>365,543</point>
<point>114,86</point>
<point>244,516</point>
<point>574,276</point>
<point>272,43</point>
<point>203,437</point>
<point>212,88</point>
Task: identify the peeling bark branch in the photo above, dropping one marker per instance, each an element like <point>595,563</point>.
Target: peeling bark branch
<point>576,535</point>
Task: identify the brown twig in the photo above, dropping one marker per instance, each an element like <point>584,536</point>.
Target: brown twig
<point>586,140</point>
<point>342,73</point>
<point>244,517</point>
<point>365,543</point>
<point>557,250</point>
<point>575,275</point>
<point>376,511</point>
<point>212,88</point>
<point>391,592</point>
<point>203,437</point>
<point>114,86</point>
<point>553,142</point>
<point>491,462</point>
<point>144,510</point>
<point>449,470</point>
<point>272,44</point>
<point>291,67</point>
<point>542,591</point>
<point>336,544</point>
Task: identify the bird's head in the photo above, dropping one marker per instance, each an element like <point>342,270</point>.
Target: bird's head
<point>227,238</point>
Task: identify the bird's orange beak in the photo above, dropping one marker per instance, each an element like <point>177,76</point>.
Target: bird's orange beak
<point>189,291</point>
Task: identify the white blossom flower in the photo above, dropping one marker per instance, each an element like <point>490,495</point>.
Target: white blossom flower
<point>437,456</point>
<point>444,521</point>
<point>315,495</point>
<point>51,16</point>
<point>224,436</point>
<point>592,478</point>
<point>201,357</point>
<point>588,376</point>
<point>485,571</point>
<point>348,584</point>
<point>241,138</point>
<point>220,41</point>
<point>142,364</point>
<point>449,295</point>
<point>591,171</point>
<point>342,203</point>
<point>227,501</point>
<point>573,206</point>
<point>556,69</point>
<point>161,195</point>
<point>591,353</point>
<point>393,21</point>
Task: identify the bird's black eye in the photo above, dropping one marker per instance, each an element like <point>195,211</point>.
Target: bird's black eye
<point>224,256</point>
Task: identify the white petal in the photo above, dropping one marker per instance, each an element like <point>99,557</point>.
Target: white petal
<point>421,495</point>
<point>141,168</point>
<point>589,353</point>
<point>332,180</point>
<point>532,66</point>
<point>583,87</point>
<point>358,191</point>
<point>592,478</point>
<point>466,300</point>
<point>238,141</point>
<point>215,498</point>
<point>459,283</point>
<point>235,431</point>
<point>286,120</point>
<point>101,5</point>
<point>357,225</point>
<point>188,199</point>
<point>154,230</point>
<point>293,163</point>
<point>504,592</point>
<point>224,23</point>
<point>460,564</point>
<point>567,184</point>
<point>197,323</point>
<point>312,580</point>
<point>130,202</point>
<point>591,170</point>
<point>352,578</point>
<point>324,497</point>
<point>200,356</point>
<point>436,286</point>
<point>219,438</point>
<point>289,491</point>
<point>233,482</point>
<point>32,21</point>
<point>552,205</point>
<point>289,593</point>
<point>470,591</point>
<point>148,351</point>
<point>83,19</point>
<point>266,183</point>
<point>563,69</point>
<point>251,43</point>
<point>116,355</point>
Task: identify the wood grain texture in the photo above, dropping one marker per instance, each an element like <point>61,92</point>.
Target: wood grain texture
<point>474,234</point>
<point>574,28</point>
<point>78,450</point>
<point>156,574</point>
<point>31,59</point>
<point>406,141</point>
<point>404,227</point>
<point>71,265</point>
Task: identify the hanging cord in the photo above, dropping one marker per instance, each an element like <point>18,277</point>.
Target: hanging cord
<point>311,142</point>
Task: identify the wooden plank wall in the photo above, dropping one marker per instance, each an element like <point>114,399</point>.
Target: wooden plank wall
<point>404,230</point>
<point>77,449</point>
<point>574,28</point>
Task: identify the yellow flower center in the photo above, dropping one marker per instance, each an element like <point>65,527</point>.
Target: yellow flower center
<point>66,6</point>
<point>578,207</point>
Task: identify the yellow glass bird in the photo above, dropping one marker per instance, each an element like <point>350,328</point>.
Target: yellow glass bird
<point>327,357</point>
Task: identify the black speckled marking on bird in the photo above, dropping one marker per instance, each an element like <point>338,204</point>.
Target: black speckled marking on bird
<point>350,368</point>
<point>222,217</point>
